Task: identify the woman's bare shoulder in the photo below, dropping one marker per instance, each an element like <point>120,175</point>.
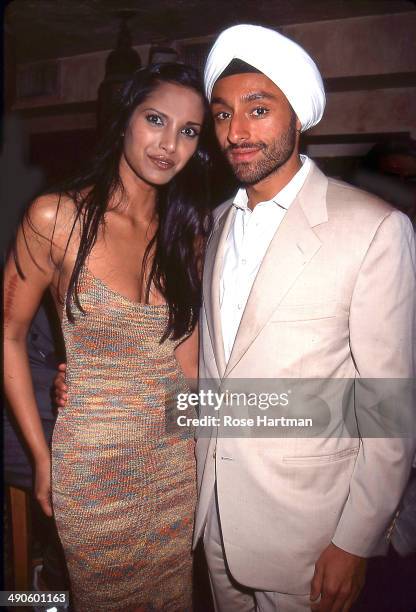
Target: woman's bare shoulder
<point>51,216</point>
<point>51,209</point>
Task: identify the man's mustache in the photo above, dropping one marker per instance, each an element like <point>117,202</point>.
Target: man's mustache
<point>245,145</point>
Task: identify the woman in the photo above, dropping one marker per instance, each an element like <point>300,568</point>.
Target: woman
<point>121,251</point>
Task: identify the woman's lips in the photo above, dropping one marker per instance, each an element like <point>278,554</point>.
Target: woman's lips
<point>163,163</point>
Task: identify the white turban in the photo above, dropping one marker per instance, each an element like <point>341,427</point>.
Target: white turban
<point>283,61</point>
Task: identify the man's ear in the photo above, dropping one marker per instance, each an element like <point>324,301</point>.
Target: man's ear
<point>298,125</point>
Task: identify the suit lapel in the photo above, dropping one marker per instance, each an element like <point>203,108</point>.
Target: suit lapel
<point>291,248</point>
<point>211,283</point>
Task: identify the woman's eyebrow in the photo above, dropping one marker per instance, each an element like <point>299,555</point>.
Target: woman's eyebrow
<point>155,110</point>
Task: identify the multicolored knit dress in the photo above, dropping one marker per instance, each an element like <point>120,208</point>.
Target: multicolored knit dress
<point>123,487</point>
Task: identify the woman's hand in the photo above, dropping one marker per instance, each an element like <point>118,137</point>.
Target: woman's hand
<point>43,485</point>
<point>60,389</point>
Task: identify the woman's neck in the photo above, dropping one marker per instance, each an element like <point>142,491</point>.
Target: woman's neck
<point>138,198</point>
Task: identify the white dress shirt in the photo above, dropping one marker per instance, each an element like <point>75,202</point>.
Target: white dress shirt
<point>248,239</point>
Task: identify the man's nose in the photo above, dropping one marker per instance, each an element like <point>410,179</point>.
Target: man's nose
<point>238,129</point>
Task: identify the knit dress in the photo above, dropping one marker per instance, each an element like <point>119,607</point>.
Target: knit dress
<point>123,483</point>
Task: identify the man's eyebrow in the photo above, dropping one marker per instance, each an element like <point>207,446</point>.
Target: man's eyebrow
<point>258,95</point>
<point>218,101</point>
<point>248,97</point>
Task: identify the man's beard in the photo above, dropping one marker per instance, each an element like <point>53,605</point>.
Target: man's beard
<point>273,156</point>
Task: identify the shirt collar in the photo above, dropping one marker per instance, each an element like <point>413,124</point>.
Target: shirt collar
<point>285,196</point>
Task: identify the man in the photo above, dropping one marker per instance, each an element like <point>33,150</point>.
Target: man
<point>305,277</point>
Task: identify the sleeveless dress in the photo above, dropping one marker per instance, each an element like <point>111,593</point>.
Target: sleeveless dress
<point>123,486</point>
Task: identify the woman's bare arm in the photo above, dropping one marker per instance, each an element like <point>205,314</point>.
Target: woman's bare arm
<point>187,355</point>
<point>22,297</point>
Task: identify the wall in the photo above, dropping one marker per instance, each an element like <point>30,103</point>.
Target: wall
<point>369,64</point>
<point>353,49</point>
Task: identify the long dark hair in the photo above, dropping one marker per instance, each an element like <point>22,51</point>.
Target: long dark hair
<point>176,250</point>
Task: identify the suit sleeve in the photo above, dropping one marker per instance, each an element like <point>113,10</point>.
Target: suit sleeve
<point>383,346</point>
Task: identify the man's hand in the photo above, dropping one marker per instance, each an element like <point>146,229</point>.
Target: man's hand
<point>59,387</point>
<point>339,577</point>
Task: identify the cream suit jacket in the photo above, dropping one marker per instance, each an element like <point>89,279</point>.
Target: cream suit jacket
<point>334,297</point>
